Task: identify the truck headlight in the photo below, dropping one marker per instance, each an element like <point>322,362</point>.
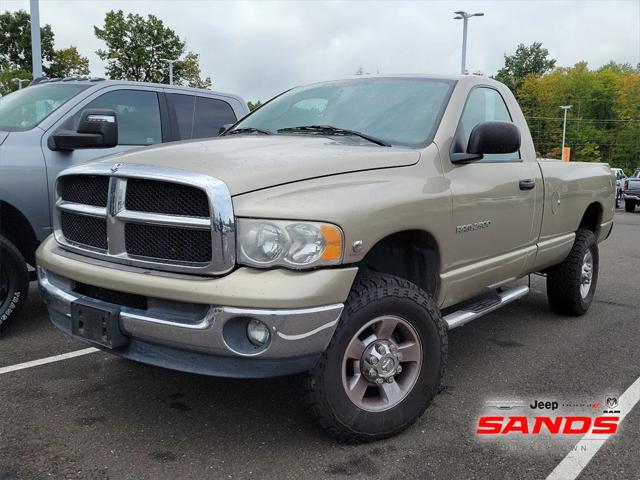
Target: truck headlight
<point>293,244</point>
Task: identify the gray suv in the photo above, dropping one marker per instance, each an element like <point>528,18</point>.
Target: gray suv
<point>55,124</point>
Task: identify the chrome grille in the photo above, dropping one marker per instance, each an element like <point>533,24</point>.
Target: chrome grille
<point>154,217</point>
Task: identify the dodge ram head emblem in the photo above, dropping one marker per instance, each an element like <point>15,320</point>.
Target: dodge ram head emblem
<point>115,167</point>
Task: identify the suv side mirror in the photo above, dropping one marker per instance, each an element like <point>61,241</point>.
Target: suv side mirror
<point>224,128</point>
<point>488,138</point>
<point>98,128</point>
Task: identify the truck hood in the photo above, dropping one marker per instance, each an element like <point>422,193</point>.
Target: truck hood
<point>248,163</point>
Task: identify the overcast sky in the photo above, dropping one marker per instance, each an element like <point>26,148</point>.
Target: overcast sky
<point>257,49</point>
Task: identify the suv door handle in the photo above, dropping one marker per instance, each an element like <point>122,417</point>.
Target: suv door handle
<point>527,184</point>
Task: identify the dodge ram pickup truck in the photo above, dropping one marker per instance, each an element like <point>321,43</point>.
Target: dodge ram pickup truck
<point>340,230</point>
<point>57,123</point>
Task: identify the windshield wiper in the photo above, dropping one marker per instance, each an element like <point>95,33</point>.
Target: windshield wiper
<point>248,130</point>
<point>329,130</point>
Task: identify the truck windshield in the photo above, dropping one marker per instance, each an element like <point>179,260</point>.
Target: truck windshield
<point>26,108</point>
<point>397,111</point>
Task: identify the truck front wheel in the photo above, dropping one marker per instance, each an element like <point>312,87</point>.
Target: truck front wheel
<point>14,282</point>
<point>384,363</point>
<point>630,206</point>
<point>572,283</point>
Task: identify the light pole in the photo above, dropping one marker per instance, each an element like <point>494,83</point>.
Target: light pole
<point>36,50</point>
<point>564,126</point>
<point>464,16</point>
<point>19,81</point>
<point>170,62</point>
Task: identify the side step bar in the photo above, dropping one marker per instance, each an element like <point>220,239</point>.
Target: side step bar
<point>471,312</point>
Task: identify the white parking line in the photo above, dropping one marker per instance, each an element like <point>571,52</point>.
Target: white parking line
<point>576,461</point>
<point>43,361</point>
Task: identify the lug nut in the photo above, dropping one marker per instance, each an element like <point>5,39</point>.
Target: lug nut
<point>372,372</point>
<point>379,380</point>
<point>399,369</point>
<point>380,348</point>
<point>393,348</point>
<point>390,380</point>
<point>373,360</point>
<point>399,356</point>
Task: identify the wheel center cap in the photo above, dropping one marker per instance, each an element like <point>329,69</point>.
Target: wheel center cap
<point>380,361</point>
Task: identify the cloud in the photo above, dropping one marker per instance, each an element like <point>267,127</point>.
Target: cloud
<point>257,49</point>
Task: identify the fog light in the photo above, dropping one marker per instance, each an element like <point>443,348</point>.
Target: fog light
<point>257,333</point>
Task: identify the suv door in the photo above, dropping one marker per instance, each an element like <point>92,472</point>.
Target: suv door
<point>139,124</point>
<point>196,116</point>
<point>493,208</point>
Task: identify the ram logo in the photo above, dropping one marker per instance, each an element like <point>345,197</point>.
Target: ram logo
<point>473,226</point>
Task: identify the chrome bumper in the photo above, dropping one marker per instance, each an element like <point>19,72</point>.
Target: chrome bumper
<point>294,333</point>
<point>631,196</point>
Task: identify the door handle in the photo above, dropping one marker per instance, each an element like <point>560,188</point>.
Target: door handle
<point>527,184</point>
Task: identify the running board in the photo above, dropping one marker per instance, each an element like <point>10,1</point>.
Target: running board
<point>476,310</point>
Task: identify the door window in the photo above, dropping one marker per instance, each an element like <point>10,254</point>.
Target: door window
<point>485,105</point>
<point>138,115</point>
<point>199,117</point>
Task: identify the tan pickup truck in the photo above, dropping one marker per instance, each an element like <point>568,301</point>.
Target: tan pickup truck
<point>341,230</point>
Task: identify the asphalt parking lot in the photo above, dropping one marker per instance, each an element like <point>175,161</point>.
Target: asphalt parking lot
<point>97,416</point>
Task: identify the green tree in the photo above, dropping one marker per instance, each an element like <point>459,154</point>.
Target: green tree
<point>253,105</point>
<point>15,52</point>
<point>136,48</point>
<point>15,41</point>
<point>68,62</point>
<point>532,60</point>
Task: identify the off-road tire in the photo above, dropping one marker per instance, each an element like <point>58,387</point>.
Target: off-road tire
<point>630,206</point>
<point>13,266</point>
<point>372,296</point>
<point>564,279</point>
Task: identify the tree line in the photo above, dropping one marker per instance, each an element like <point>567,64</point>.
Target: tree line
<point>603,124</point>
<point>136,48</point>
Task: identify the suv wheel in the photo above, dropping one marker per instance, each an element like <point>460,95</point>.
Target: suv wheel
<point>571,284</point>
<point>630,206</point>
<point>384,363</point>
<point>14,282</point>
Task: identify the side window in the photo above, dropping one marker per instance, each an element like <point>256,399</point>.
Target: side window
<point>210,115</point>
<point>199,117</point>
<point>182,107</point>
<point>138,115</point>
<point>485,105</point>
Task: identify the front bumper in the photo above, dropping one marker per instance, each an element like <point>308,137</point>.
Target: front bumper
<point>196,337</point>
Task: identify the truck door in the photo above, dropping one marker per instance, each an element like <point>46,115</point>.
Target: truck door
<point>493,205</point>
<point>139,124</point>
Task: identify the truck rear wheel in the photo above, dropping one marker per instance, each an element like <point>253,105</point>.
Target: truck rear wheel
<point>14,282</point>
<point>630,206</point>
<point>384,363</point>
<point>571,284</point>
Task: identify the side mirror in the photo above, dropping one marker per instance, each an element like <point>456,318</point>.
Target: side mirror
<point>488,138</point>
<point>98,128</point>
<point>224,128</point>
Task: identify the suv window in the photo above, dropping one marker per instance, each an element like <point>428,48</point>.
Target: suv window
<point>485,105</point>
<point>138,115</point>
<point>199,117</point>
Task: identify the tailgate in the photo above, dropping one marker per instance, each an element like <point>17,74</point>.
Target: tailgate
<point>634,186</point>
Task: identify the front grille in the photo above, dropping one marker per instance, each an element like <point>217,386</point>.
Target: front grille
<point>168,243</point>
<point>90,231</point>
<point>86,189</point>
<point>168,198</point>
<point>146,216</point>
